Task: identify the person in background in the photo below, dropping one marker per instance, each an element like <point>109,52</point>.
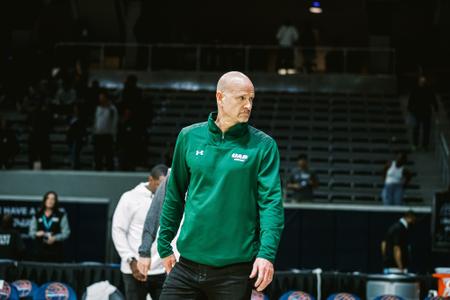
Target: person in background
<point>396,177</point>
<point>49,228</point>
<point>287,36</point>
<point>40,123</point>
<point>11,243</point>
<point>421,103</point>
<point>76,137</point>
<point>129,141</point>
<point>395,248</point>
<point>302,181</point>
<point>105,128</point>
<point>127,227</point>
<point>9,146</point>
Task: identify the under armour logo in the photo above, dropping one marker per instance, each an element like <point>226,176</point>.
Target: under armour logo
<point>199,152</point>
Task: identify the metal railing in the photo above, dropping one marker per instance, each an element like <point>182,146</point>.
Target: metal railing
<point>440,130</point>
<point>202,57</point>
<point>443,159</point>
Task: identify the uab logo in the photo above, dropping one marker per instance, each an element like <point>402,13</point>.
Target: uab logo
<point>239,157</point>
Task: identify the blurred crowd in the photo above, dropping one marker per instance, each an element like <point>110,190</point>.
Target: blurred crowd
<point>114,122</point>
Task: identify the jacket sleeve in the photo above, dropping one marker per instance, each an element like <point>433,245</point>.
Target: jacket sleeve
<point>152,220</point>
<point>65,229</point>
<point>120,224</point>
<point>270,203</point>
<point>173,207</point>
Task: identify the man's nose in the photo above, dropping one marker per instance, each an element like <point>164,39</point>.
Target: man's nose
<point>248,104</point>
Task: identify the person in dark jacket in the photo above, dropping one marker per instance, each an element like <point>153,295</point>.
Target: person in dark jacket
<point>421,103</point>
<point>9,146</point>
<point>395,246</point>
<point>76,137</point>
<point>49,228</point>
<point>11,244</point>
<point>40,122</point>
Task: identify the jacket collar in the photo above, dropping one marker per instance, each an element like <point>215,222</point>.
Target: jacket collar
<point>403,221</point>
<point>235,132</point>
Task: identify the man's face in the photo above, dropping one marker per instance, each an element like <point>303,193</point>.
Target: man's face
<point>401,159</point>
<point>236,101</point>
<point>411,220</point>
<point>154,183</point>
<point>103,99</point>
<point>302,164</point>
<point>422,80</point>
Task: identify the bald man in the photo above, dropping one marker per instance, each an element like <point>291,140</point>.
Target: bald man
<point>233,213</point>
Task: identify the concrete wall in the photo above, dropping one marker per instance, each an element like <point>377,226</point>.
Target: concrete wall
<point>207,81</point>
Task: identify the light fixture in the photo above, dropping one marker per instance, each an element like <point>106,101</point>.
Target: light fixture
<point>315,8</point>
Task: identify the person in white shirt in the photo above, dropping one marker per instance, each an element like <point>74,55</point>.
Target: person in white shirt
<point>127,227</point>
<point>105,128</point>
<point>396,177</point>
<point>287,36</point>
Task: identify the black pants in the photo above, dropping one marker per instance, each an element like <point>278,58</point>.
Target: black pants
<point>190,280</point>
<point>423,122</point>
<point>104,149</point>
<point>286,57</point>
<point>39,150</point>
<point>48,253</point>
<point>138,290</point>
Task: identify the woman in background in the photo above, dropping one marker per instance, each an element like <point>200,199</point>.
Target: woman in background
<point>49,228</point>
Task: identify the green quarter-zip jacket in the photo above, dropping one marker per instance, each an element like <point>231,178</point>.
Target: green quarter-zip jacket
<point>233,209</point>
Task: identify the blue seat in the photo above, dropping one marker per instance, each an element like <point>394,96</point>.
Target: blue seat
<point>25,288</point>
<point>388,297</point>
<point>55,291</point>
<point>8,291</point>
<point>343,296</point>
<point>296,295</point>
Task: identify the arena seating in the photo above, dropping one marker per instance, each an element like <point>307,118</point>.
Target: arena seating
<point>347,137</point>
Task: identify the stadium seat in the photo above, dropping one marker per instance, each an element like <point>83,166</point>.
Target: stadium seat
<point>388,297</point>
<point>7,291</point>
<point>55,291</point>
<point>25,288</point>
<point>343,296</point>
<point>296,295</point>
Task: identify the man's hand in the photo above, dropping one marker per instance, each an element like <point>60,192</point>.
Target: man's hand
<point>144,264</point>
<point>136,273</point>
<point>169,262</point>
<point>294,186</point>
<point>40,233</point>
<point>264,269</point>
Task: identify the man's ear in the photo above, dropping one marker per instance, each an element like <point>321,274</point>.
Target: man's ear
<point>219,97</point>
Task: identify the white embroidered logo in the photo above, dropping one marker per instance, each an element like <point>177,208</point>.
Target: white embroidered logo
<point>199,152</point>
<point>239,157</point>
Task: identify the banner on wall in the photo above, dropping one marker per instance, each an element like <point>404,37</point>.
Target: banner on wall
<point>88,219</point>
